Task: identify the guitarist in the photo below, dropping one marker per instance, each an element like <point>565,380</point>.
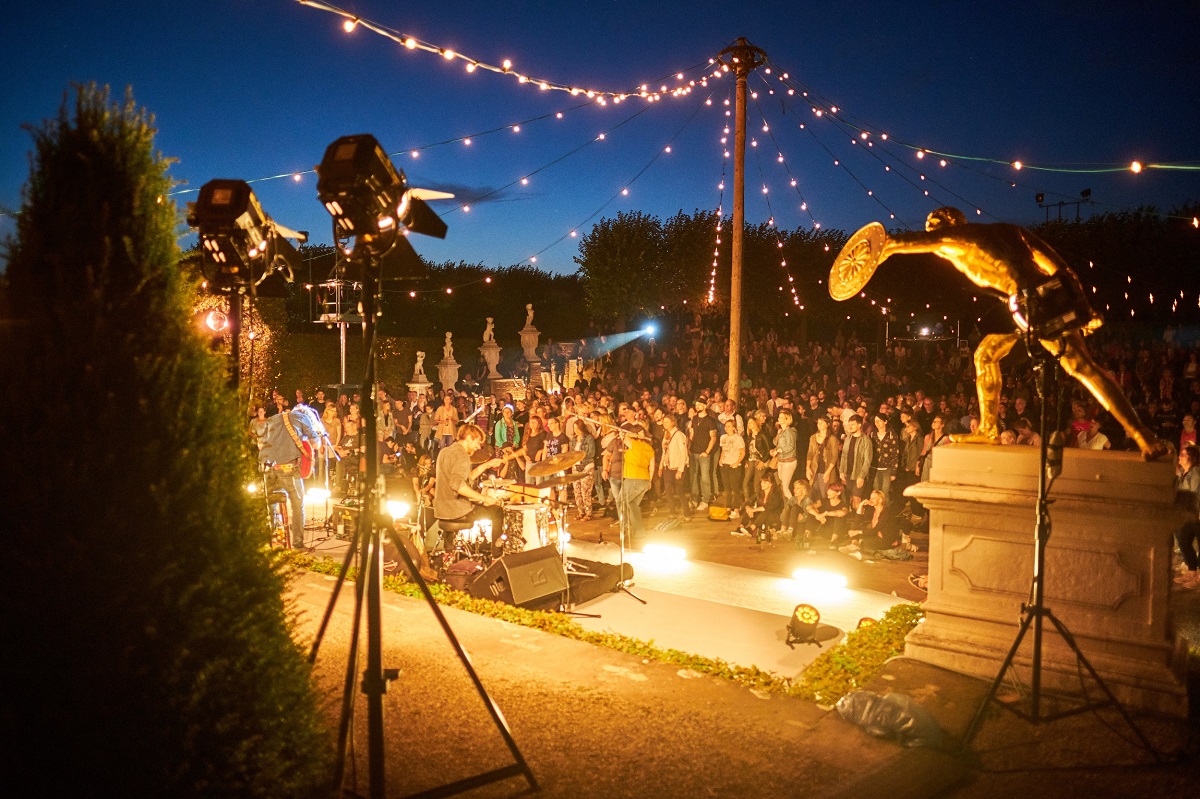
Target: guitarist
<point>286,433</point>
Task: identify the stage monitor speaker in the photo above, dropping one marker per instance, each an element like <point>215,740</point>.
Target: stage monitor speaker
<point>522,577</point>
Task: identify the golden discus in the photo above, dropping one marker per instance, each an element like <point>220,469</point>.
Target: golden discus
<point>856,263</point>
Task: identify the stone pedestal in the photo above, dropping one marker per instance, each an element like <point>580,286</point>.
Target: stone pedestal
<point>529,342</point>
<point>448,373</point>
<point>420,386</point>
<point>491,356</point>
<point>1108,569</point>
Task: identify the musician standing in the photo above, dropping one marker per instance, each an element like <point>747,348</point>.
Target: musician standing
<point>454,499</point>
<point>281,443</point>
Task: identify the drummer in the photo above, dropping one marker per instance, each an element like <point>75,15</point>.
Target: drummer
<point>453,497</point>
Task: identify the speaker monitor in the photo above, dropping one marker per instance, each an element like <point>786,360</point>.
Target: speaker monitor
<point>522,577</point>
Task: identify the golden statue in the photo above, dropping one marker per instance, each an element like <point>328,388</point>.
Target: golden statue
<point>1044,295</point>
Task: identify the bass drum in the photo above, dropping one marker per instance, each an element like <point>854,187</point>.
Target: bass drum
<point>526,526</point>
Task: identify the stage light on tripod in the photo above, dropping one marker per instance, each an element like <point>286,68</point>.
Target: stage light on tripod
<point>216,321</point>
<point>397,509</point>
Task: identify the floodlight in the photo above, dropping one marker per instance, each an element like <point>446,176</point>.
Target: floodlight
<point>239,242</point>
<point>369,198</point>
<point>216,321</point>
<point>650,330</point>
<point>397,510</point>
<point>803,625</point>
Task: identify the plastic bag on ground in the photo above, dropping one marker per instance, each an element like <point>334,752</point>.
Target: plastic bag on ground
<point>893,716</point>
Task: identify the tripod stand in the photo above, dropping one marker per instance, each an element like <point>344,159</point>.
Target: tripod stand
<point>368,591</point>
<point>1035,613</point>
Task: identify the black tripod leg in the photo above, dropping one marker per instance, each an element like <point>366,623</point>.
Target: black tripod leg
<point>348,691</point>
<point>337,588</point>
<point>977,720</point>
<point>493,710</point>
<point>1112,699</point>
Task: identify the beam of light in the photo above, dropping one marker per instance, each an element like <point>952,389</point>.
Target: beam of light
<point>600,346</point>
<point>816,587</point>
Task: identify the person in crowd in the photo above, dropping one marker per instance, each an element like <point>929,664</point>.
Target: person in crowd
<point>936,437</point>
<point>887,455</point>
<point>731,462</point>
<point>258,426</point>
<point>795,513</point>
<point>445,420</point>
<point>873,527</point>
<point>1092,438</point>
<point>1187,483</point>
<point>673,466</point>
<point>855,461</point>
<point>830,513</point>
<point>824,452</point>
<point>702,434</point>
<point>535,445</point>
<point>583,441</point>
<point>784,452</point>
<point>758,453</point>
<point>762,516</point>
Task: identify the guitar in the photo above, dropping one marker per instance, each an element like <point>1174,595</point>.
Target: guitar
<point>308,460</point>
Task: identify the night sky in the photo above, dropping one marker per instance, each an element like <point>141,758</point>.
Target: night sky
<point>255,89</point>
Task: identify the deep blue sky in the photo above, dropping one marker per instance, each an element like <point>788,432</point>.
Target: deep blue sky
<point>251,89</point>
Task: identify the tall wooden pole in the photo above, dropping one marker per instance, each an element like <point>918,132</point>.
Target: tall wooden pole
<point>742,58</point>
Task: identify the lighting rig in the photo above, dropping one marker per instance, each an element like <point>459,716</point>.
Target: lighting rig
<point>242,251</point>
<point>373,210</point>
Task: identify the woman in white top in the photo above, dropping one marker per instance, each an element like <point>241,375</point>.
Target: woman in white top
<point>733,454</point>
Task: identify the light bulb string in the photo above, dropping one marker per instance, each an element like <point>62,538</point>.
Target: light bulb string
<point>602,96</point>
<point>712,280</point>
<point>900,162</point>
<point>557,160</point>
<point>779,238</point>
<point>837,162</point>
<point>1096,167</point>
<point>658,154</point>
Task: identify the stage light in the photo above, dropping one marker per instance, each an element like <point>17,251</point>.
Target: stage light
<point>367,196</point>
<point>397,509</point>
<point>216,321</point>
<point>239,242</point>
<point>252,487</point>
<point>803,625</point>
<point>664,553</point>
<point>316,494</point>
<point>650,330</point>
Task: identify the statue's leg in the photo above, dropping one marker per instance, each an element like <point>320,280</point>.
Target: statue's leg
<point>988,383</point>
<point>1078,363</point>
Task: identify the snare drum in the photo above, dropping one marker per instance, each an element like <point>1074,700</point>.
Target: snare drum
<point>528,524</point>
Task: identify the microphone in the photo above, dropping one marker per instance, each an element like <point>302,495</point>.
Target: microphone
<point>1054,455</point>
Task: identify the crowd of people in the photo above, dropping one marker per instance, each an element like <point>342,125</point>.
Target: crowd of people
<point>816,447</point>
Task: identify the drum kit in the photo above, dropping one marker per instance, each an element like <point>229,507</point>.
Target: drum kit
<point>533,513</point>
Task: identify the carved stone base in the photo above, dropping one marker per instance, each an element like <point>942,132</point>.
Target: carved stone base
<point>448,374</point>
<point>1108,569</point>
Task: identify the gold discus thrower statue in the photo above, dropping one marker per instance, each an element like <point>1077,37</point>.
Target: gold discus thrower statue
<point>1044,295</point>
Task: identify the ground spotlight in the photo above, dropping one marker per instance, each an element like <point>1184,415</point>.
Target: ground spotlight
<point>802,626</point>
<point>239,242</point>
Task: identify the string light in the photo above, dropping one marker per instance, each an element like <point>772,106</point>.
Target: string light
<point>683,86</point>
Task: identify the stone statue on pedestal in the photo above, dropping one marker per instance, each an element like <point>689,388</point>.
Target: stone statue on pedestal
<point>490,351</point>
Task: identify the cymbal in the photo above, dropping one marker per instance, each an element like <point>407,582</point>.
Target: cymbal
<point>561,480</point>
<point>555,464</point>
<point>856,263</point>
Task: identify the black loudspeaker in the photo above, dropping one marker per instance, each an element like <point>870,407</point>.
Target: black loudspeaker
<point>522,578</point>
